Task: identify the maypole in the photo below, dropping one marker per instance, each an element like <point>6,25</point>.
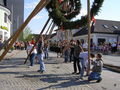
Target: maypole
<point>89,33</point>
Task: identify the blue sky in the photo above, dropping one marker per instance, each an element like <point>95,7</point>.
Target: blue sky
<point>109,11</point>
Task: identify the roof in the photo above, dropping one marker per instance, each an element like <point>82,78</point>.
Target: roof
<point>102,26</point>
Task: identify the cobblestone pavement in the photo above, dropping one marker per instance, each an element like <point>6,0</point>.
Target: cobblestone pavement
<point>14,75</point>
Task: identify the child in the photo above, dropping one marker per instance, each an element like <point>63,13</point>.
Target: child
<point>97,69</point>
<point>83,61</point>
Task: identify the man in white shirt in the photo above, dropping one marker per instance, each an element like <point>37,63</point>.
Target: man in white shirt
<point>33,53</point>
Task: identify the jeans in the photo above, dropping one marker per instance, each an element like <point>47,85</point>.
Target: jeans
<point>46,53</point>
<point>76,64</point>
<point>32,57</point>
<point>71,57</point>
<point>82,64</point>
<point>66,57</point>
<point>42,65</point>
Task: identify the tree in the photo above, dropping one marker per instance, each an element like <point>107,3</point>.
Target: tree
<point>26,35</point>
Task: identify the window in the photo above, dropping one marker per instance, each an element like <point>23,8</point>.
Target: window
<point>1,37</point>
<point>5,18</point>
<point>5,33</point>
<point>115,27</point>
<point>105,26</point>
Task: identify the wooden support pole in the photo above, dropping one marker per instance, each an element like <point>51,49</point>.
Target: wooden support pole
<point>37,39</point>
<point>6,43</point>
<point>89,33</point>
<point>40,5</point>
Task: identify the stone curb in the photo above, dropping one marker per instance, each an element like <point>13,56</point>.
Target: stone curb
<point>112,67</point>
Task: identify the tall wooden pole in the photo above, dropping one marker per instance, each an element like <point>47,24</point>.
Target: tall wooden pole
<point>40,5</point>
<point>37,39</point>
<point>89,33</point>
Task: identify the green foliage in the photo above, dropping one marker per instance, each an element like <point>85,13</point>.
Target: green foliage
<point>26,35</point>
<point>29,37</point>
<point>62,20</point>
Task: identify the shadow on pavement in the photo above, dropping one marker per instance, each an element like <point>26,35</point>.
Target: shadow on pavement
<point>13,61</point>
<point>57,80</point>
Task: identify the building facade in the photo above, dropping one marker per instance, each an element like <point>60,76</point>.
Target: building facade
<point>63,35</point>
<point>104,31</point>
<point>5,23</point>
<point>17,13</point>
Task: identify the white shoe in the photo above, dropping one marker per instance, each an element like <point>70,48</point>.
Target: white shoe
<point>30,66</point>
<point>81,78</point>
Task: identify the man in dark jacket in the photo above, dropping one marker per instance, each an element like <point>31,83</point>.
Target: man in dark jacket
<point>40,48</point>
<point>77,50</point>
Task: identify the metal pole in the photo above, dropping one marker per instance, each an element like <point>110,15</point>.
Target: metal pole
<point>89,33</point>
<point>39,6</point>
<point>37,39</point>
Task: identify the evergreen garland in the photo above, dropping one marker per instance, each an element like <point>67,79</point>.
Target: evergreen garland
<point>63,20</point>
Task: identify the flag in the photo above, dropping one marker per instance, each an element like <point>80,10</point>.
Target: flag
<point>93,21</point>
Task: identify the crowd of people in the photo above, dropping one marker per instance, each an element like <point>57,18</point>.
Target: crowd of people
<point>77,52</point>
<point>106,48</point>
<point>72,51</point>
<point>20,45</point>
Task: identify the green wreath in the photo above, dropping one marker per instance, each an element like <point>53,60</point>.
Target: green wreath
<point>62,20</point>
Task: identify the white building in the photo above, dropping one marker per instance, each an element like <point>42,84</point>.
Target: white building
<point>104,31</point>
<point>5,23</point>
<point>64,34</point>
